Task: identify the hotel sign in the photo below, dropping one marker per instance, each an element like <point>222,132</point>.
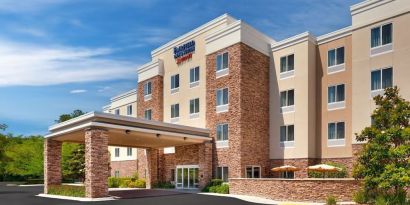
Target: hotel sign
<point>184,52</point>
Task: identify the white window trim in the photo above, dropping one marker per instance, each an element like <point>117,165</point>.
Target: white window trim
<point>337,105</point>
<point>194,114</point>
<point>288,108</point>
<point>115,152</point>
<point>222,143</point>
<point>287,74</point>
<point>222,173</point>
<point>381,35</point>
<point>225,71</point>
<point>194,83</point>
<point>336,142</point>
<point>253,167</point>
<point>145,113</point>
<point>128,106</point>
<point>287,144</point>
<point>335,65</point>
<point>223,107</point>
<point>176,89</point>
<point>117,113</point>
<point>287,71</point>
<point>149,95</point>
<point>380,91</point>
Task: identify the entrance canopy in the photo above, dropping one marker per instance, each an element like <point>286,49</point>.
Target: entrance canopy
<point>129,131</point>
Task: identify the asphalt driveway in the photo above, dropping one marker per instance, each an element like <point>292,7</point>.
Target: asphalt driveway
<point>15,195</point>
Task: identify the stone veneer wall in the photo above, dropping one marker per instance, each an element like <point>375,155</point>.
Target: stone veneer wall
<point>52,163</point>
<point>156,103</point>
<point>312,190</point>
<point>167,163</point>
<point>141,163</point>
<point>248,84</point>
<point>126,168</point>
<point>96,163</point>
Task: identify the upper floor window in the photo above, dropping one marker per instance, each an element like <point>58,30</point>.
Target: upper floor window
<point>129,110</point>
<point>194,106</point>
<point>148,114</point>
<point>129,151</point>
<point>287,63</point>
<point>194,75</point>
<point>336,93</point>
<point>381,79</point>
<point>287,133</point>
<point>382,35</point>
<point>222,100</point>
<point>117,111</point>
<point>175,111</point>
<point>287,98</point>
<point>336,56</point>
<point>174,81</point>
<point>222,132</point>
<point>336,130</point>
<point>222,61</point>
<point>117,152</point>
<point>253,172</point>
<point>147,88</point>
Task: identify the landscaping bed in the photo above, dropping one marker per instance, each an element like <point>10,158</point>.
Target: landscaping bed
<point>67,190</point>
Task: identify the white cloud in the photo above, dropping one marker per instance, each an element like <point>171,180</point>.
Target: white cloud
<point>78,91</point>
<point>104,89</point>
<point>28,64</point>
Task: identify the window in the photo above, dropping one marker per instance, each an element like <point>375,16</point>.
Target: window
<point>336,130</point>
<point>194,106</point>
<point>287,133</point>
<point>194,75</point>
<point>147,88</point>
<point>287,63</point>
<point>253,172</point>
<point>336,93</point>
<point>336,56</point>
<point>129,151</point>
<point>222,173</point>
<point>172,175</point>
<point>382,35</point>
<point>222,132</point>
<point>117,111</point>
<point>222,96</point>
<point>175,82</point>
<point>129,110</point>
<point>382,79</point>
<point>222,61</point>
<point>117,173</point>
<point>287,98</point>
<point>287,175</point>
<point>117,152</point>
<point>148,114</point>
<point>175,111</point>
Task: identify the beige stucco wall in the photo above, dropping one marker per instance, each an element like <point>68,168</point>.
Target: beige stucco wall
<point>399,59</point>
<point>123,154</point>
<point>324,115</point>
<point>186,93</point>
<point>303,118</point>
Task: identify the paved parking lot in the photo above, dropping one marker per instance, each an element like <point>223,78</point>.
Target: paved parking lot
<point>15,195</point>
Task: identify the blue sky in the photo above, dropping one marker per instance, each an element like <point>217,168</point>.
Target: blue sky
<point>61,55</point>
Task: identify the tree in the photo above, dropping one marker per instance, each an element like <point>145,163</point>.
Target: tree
<point>384,162</point>
<point>3,127</point>
<point>73,160</point>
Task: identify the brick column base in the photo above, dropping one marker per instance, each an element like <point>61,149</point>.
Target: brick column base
<point>96,163</point>
<point>152,167</point>
<point>205,164</point>
<point>52,163</point>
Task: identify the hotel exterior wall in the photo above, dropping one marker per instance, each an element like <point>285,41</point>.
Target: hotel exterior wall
<point>363,64</point>
<point>186,93</point>
<point>324,116</point>
<point>303,83</point>
<point>123,154</point>
<point>156,101</point>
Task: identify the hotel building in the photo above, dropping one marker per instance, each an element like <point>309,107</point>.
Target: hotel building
<point>242,103</point>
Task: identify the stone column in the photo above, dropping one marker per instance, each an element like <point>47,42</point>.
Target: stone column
<point>205,164</point>
<point>96,163</point>
<point>152,167</point>
<point>52,163</point>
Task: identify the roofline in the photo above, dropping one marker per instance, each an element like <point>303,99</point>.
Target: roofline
<point>193,33</point>
<point>88,117</point>
<point>149,65</point>
<point>366,5</point>
<point>305,36</point>
<point>124,95</point>
<point>334,35</point>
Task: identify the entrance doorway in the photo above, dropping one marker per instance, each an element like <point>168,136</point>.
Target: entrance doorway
<point>187,177</point>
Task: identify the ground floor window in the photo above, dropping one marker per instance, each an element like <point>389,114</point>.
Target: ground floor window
<point>117,173</point>
<point>253,172</point>
<point>172,175</point>
<point>222,173</point>
<point>287,175</point>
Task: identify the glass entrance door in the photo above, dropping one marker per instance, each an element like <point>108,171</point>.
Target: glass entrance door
<point>187,177</point>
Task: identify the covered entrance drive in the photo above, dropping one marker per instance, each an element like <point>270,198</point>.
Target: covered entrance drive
<point>99,130</point>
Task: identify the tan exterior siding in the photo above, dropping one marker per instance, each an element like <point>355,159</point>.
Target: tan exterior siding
<point>325,115</point>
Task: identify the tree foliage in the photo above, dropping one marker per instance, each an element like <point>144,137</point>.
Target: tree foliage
<point>3,127</point>
<point>384,162</point>
<point>65,117</point>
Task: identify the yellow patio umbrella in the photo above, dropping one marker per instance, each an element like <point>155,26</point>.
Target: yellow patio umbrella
<point>285,168</point>
<point>324,168</point>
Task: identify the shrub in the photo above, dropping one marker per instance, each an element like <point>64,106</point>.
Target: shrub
<point>35,181</point>
<point>164,185</point>
<point>139,183</point>
<point>113,182</point>
<point>216,182</point>
<point>66,190</point>
<point>330,200</point>
<point>125,182</point>
<point>217,186</point>
<point>222,189</point>
<point>339,174</point>
<point>360,197</point>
